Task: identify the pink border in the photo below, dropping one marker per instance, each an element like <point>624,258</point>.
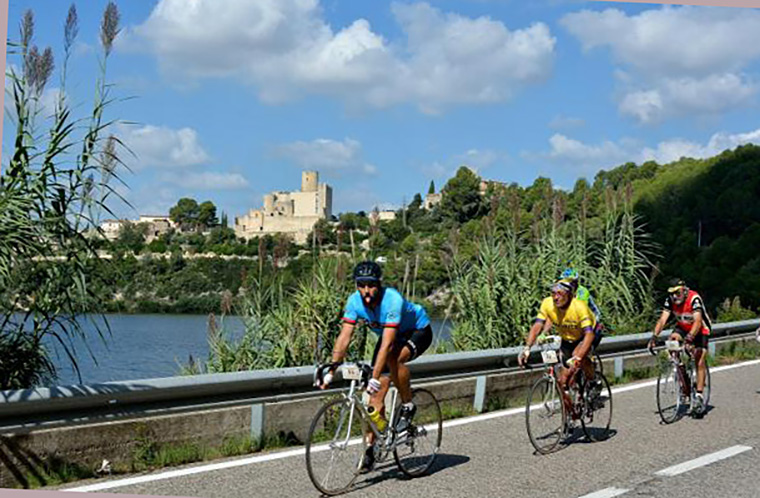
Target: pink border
<point>4,31</point>
<point>714,3</point>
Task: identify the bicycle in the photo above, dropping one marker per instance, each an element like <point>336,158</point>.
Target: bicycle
<point>672,393</point>
<point>343,423</point>
<point>545,406</point>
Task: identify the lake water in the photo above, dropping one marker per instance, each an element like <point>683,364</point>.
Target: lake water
<point>147,346</point>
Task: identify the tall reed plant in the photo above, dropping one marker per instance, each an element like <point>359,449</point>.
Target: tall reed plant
<point>496,296</point>
<point>58,181</point>
<point>288,328</point>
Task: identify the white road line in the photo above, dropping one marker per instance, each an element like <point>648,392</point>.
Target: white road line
<point>606,493</point>
<point>118,483</point>
<point>702,461</point>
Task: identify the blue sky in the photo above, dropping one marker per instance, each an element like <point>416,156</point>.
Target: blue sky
<point>232,98</point>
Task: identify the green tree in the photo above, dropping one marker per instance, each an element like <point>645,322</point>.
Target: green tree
<point>207,215</point>
<point>185,213</point>
<point>461,200</point>
<point>132,236</point>
<point>431,188</point>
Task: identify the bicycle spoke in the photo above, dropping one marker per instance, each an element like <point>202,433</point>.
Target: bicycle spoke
<point>669,393</point>
<point>545,415</point>
<point>598,408</point>
<point>416,450</point>
<point>334,469</point>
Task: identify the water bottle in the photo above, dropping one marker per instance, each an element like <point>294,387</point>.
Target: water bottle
<point>377,418</point>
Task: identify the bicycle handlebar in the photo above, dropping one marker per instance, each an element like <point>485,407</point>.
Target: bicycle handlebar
<point>319,373</point>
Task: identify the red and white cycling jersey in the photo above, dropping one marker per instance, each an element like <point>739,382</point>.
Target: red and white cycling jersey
<point>684,312</point>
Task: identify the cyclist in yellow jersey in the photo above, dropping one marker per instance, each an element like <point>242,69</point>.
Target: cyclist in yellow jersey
<point>574,322</point>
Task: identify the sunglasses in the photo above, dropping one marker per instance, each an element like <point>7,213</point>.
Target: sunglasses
<point>366,285</point>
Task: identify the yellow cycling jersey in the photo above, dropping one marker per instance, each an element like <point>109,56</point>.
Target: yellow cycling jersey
<point>571,321</point>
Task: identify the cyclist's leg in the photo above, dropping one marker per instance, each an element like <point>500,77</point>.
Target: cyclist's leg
<point>405,350</point>
<point>700,358</point>
<point>377,400</point>
<point>685,382</point>
<point>566,349</point>
<point>586,365</point>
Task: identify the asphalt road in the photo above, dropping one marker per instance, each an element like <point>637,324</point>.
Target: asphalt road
<point>491,456</point>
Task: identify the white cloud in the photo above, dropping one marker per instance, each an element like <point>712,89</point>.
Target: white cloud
<point>678,97</point>
<point>438,171</point>
<point>686,60</point>
<point>478,160</point>
<point>354,198</point>
<point>475,159</point>
<point>672,150</point>
<point>327,155</point>
<point>162,147</point>
<point>208,180</point>
<point>566,122</point>
<point>585,158</point>
<point>287,49</point>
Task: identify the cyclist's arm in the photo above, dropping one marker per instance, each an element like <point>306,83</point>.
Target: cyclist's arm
<point>588,341</point>
<point>547,326</point>
<point>661,323</point>
<point>696,327</point>
<point>389,335</point>
<point>341,344</point>
<point>539,326</point>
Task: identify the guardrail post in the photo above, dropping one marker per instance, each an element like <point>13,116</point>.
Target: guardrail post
<point>480,394</point>
<point>257,422</point>
<point>711,348</point>
<point>618,367</point>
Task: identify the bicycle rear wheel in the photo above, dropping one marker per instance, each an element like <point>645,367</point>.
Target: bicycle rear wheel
<point>597,415</point>
<point>598,365</point>
<point>545,415</point>
<point>669,400</point>
<point>335,446</point>
<point>416,448</point>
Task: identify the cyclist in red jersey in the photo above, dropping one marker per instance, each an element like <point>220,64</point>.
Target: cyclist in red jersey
<point>692,325</point>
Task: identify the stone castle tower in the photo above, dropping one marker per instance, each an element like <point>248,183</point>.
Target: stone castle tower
<point>309,181</point>
<point>291,212</point>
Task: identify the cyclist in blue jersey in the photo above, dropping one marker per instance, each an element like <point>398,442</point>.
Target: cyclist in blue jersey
<point>404,333</point>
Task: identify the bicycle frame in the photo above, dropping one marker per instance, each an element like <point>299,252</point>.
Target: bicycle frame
<point>387,441</point>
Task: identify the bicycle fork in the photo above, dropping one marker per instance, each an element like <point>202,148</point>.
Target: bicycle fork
<point>684,379</point>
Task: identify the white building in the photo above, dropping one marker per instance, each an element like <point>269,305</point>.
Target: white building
<point>111,228</point>
<point>385,215</point>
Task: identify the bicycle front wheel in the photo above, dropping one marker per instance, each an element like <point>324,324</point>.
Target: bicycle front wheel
<point>335,446</point>
<point>416,448</point>
<point>705,391</point>
<point>669,399</point>
<point>545,415</point>
<point>597,417</point>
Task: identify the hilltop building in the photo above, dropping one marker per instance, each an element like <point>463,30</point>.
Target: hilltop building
<point>432,200</point>
<point>293,213</point>
<point>156,225</point>
<point>377,216</point>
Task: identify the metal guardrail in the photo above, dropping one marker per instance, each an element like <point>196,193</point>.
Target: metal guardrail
<point>126,396</point>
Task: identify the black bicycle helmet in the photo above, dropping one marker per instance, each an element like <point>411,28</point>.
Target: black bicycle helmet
<point>368,271</point>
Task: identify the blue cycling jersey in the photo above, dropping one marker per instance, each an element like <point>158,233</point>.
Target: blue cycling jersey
<point>392,311</point>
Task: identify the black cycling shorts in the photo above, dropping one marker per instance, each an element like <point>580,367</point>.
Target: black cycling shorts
<point>567,347</point>
<point>700,341</point>
<point>417,341</point>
